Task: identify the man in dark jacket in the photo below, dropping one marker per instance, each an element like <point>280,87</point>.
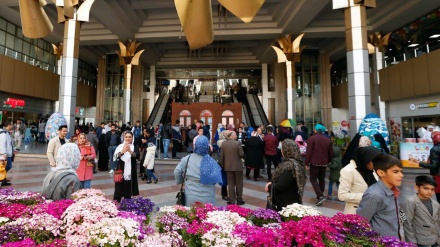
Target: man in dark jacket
<point>112,140</point>
<point>166,138</point>
<point>270,150</point>
<point>318,155</point>
<point>434,165</point>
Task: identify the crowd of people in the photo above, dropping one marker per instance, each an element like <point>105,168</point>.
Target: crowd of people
<point>366,177</point>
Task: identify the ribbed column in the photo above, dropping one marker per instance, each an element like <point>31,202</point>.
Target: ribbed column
<point>265,87</point>
<point>380,106</point>
<point>152,95</point>
<point>326,90</point>
<point>127,93</point>
<point>290,72</point>
<point>69,72</point>
<point>357,65</point>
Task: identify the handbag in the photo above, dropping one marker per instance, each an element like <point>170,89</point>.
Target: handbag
<point>118,176</point>
<point>91,163</point>
<point>2,170</point>
<point>181,194</point>
<point>269,203</point>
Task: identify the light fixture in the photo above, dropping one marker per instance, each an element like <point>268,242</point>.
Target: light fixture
<point>434,36</point>
<point>413,45</point>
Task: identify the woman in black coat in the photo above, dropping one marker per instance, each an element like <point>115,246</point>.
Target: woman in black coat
<point>126,154</point>
<point>254,155</point>
<point>103,154</point>
<point>289,178</point>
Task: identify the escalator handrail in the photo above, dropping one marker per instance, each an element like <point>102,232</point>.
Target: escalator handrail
<point>260,110</point>
<point>246,114</point>
<point>249,111</point>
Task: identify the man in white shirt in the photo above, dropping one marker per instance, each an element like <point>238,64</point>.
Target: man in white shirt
<point>6,147</point>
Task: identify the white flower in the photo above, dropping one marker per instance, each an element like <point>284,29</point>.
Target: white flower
<point>298,210</point>
<point>220,238</point>
<point>114,231</point>
<point>224,219</point>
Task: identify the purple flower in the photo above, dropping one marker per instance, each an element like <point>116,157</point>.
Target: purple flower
<point>394,242</point>
<point>11,233</point>
<point>262,216</point>
<point>139,206</point>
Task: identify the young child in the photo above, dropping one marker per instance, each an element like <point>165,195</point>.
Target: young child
<point>422,213</point>
<point>149,163</point>
<point>379,203</point>
<point>335,172</point>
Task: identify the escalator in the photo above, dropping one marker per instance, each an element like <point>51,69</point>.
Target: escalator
<point>255,111</point>
<point>159,109</point>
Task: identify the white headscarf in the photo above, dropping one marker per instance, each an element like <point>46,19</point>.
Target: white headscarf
<point>126,157</point>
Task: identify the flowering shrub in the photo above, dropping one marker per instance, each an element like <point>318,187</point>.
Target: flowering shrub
<point>85,193</point>
<point>262,217</point>
<point>169,221</point>
<point>81,215</point>
<point>10,195</point>
<point>139,206</point>
<point>40,227</point>
<point>26,219</point>
<point>297,211</point>
<point>13,210</point>
<point>114,232</point>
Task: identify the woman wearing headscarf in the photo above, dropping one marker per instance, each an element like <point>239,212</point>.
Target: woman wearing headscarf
<point>351,148</point>
<point>254,155</point>
<point>125,155</point>
<point>85,169</point>
<point>224,191</point>
<point>202,173</point>
<point>62,181</point>
<point>356,177</point>
<point>289,177</point>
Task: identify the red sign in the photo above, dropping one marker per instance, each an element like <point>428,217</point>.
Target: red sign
<point>14,103</point>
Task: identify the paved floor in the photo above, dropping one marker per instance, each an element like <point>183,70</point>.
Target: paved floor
<point>31,166</point>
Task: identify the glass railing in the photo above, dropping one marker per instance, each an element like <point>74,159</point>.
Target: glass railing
<point>412,53</point>
<point>27,59</point>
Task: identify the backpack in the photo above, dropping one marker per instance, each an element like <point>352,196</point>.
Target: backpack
<point>137,131</point>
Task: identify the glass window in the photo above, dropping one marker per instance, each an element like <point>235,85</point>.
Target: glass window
<point>2,38</point>
<point>227,118</point>
<point>18,45</point>
<point>2,24</point>
<point>206,117</point>
<point>185,118</point>
<point>26,47</point>
<point>10,28</point>
<point>10,41</point>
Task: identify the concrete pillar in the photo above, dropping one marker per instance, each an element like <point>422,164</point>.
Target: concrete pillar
<point>69,72</point>
<point>291,90</point>
<point>357,65</point>
<point>326,90</point>
<point>59,66</point>
<point>151,95</point>
<point>127,93</point>
<point>265,87</point>
<point>380,106</point>
<point>100,90</point>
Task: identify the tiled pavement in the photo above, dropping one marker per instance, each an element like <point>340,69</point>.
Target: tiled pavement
<point>31,166</point>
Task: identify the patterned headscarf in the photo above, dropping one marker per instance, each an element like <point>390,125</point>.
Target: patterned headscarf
<point>210,171</point>
<point>68,158</point>
<point>364,141</point>
<point>293,162</point>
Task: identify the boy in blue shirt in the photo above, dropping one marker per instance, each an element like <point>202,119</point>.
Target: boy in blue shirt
<point>379,203</point>
<point>422,213</point>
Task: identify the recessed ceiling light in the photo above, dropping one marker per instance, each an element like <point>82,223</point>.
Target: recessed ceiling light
<point>413,45</point>
<point>434,36</point>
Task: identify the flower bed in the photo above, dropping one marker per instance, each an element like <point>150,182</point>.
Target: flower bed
<point>27,219</point>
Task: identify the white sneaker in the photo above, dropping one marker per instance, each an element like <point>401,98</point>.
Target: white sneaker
<point>111,171</point>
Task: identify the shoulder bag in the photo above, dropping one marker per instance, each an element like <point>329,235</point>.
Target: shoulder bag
<point>118,177</point>
<point>181,194</point>
<point>270,204</point>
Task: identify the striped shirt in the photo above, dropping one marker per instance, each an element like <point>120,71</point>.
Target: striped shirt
<point>380,208</point>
